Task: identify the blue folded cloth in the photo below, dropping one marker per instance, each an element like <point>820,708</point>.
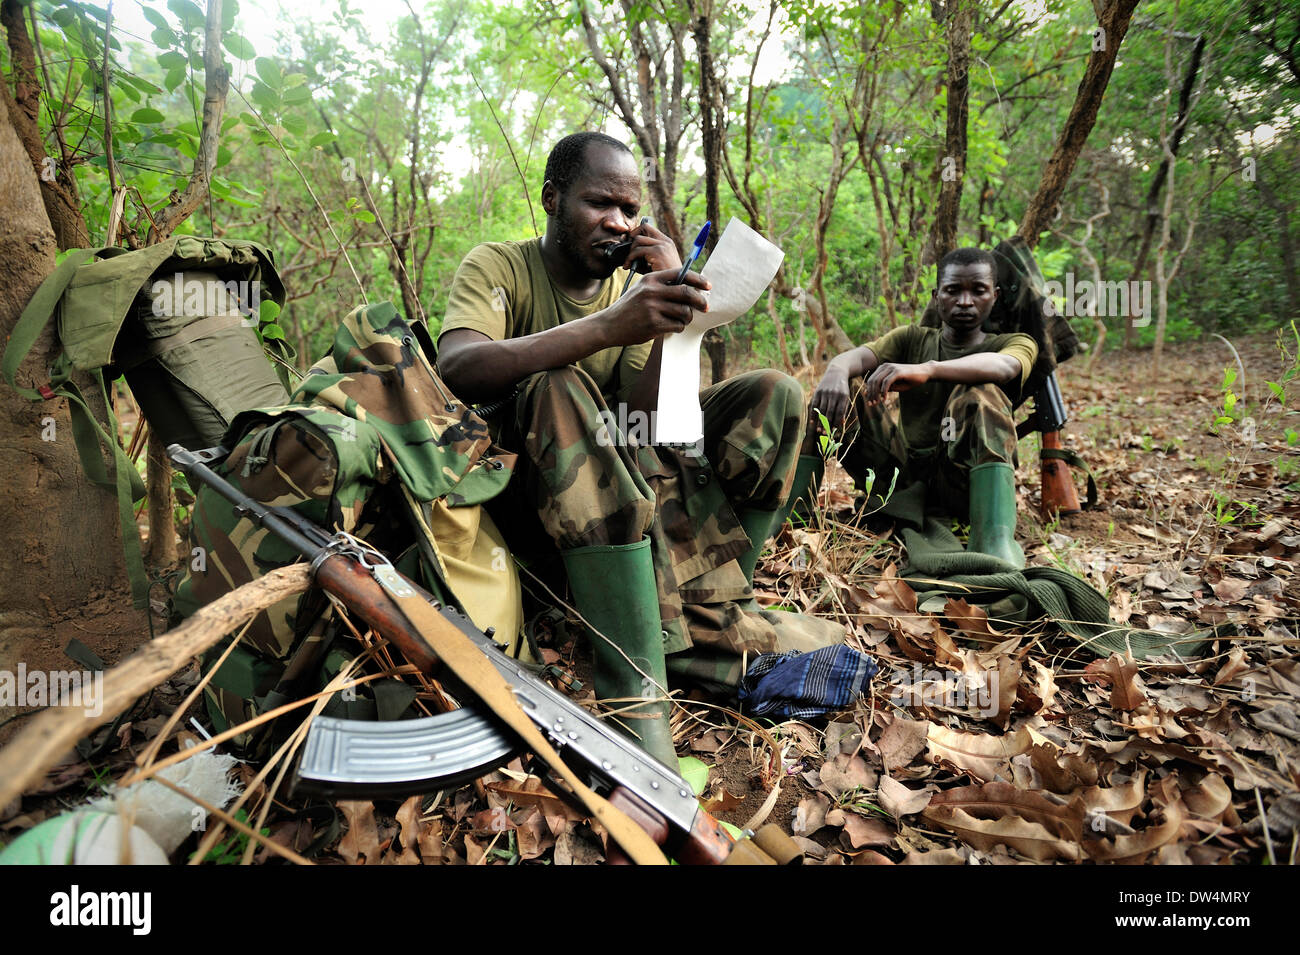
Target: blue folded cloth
<point>802,685</point>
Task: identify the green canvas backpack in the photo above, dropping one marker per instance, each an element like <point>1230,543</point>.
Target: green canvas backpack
<point>179,320</point>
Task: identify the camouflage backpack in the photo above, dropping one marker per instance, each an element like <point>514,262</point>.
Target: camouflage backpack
<point>376,446</point>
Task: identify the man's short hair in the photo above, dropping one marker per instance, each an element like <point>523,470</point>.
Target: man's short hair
<point>565,161</point>
<point>968,255</point>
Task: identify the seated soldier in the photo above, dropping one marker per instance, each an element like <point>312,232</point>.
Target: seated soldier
<point>546,318</point>
<point>951,427</point>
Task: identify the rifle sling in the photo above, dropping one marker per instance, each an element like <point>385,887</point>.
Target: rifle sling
<point>466,660</point>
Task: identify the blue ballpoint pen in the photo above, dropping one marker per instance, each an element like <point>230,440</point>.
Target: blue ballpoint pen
<point>695,253</point>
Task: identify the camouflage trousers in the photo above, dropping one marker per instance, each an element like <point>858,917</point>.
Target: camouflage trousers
<point>590,476</point>
<point>978,428</point>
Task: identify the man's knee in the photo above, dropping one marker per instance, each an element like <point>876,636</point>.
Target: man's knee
<point>987,395</point>
<point>564,393</point>
<point>772,396</point>
<point>979,425</point>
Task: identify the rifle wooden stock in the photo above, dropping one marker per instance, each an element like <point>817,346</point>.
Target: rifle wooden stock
<point>350,582</point>
<point>706,844</point>
<point>1059,493</point>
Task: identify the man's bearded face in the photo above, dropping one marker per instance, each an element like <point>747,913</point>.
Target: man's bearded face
<point>598,209</point>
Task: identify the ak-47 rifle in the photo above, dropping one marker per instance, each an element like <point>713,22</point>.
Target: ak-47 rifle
<point>353,757</point>
<point>1049,417</point>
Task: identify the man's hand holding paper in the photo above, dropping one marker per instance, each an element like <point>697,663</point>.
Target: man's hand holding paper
<point>740,269</point>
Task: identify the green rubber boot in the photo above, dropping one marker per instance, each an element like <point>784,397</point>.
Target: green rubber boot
<point>615,590</point>
<point>993,513</point>
<point>760,525</point>
<point>758,528</point>
<point>808,472</point>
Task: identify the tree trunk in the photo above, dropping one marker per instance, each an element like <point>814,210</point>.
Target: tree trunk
<point>162,523</point>
<point>1113,24</point>
<point>943,234</point>
<point>1162,171</point>
<point>710,114</point>
<point>779,325</point>
<point>64,542</point>
<point>883,229</point>
<point>1285,247</point>
<point>58,186</point>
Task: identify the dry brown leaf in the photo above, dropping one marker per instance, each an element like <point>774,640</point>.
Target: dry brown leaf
<point>947,653</point>
<point>577,847</point>
<point>721,801</point>
<point>860,831</point>
<point>1201,748</point>
<point>533,792</point>
<point>1061,772</point>
<point>531,833</point>
<point>361,842</point>
<point>408,816</point>
<point>295,834</point>
<point>710,741</point>
<point>1122,607</point>
<point>807,739</point>
<point>997,813</point>
<point>841,736</point>
<point>1042,687</point>
<point>1121,674</point>
<point>897,612</point>
<point>1232,666</point>
<point>971,620</point>
<point>1007,671</point>
<point>871,857</point>
<point>476,850</point>
<point>1281,719</point>
<point>1230,589</point>
<point>405,857</point>
<point>1173,854</point>
<point>431,843</point>
<point>810,814</point>
<point>935,857</point>
<point>1119,801</point>
<point>845,773</point>
<point>897,800</point>
<point>901,740</point>
<point>1282,815</point>
<point>491,821</point>
<point>1139,845</point>
<point>1208,799</point>
<point>981,755</point>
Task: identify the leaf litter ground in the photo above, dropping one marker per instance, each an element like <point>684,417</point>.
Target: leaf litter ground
<point>1071,759</point>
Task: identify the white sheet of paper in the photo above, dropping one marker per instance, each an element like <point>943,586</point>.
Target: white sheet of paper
<point>741,267</point>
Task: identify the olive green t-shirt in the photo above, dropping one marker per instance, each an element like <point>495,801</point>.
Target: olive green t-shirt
<point>921,408</point>
<point>502,289</point>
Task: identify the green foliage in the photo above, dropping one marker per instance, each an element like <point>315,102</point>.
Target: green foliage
<point>231,849</point>
<point>341,129</point>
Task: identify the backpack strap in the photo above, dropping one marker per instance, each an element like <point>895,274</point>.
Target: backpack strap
<point>33,320</point>
<point>87,433</point>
